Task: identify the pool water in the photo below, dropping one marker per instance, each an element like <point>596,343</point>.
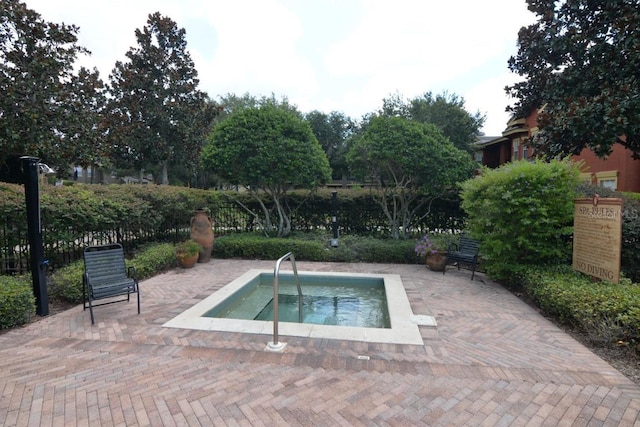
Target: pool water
<point>340,301</point>
<point>396,307</point>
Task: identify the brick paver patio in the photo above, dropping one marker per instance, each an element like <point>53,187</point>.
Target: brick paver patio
<point>491,361</point>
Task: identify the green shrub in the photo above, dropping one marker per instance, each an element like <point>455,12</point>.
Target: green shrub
<point>66,283</point>
<point>255,246</point>
<point>152,259</point>
<point>350,248</point>
<point>17,303</point>
<point>522,213</point>
<point>606,312</point>
<point>367,249</point>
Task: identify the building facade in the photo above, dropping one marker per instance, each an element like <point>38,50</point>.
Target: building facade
<point>619,171</point>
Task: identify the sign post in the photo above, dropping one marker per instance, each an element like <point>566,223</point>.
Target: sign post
<point>597,237</point>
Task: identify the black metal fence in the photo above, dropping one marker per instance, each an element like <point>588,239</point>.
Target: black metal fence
<point>69,243</point>
<point>228,217</point>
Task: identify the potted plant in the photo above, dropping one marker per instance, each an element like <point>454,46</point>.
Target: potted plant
<point>434,254</point>
<point>187,253</point>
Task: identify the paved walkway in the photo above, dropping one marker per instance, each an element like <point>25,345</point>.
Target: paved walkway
<point>491,361</point>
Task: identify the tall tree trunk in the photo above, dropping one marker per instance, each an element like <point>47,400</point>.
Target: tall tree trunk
<point>165,173</point>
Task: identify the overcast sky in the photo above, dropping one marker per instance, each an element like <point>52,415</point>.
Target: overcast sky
<point>326,55</point>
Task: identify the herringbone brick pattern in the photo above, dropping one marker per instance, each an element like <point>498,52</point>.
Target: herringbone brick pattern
<point>491,361</point>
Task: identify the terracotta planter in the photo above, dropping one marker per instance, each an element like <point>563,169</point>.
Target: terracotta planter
<point>188,261</point>
<point>202,233</point>
<point>437,261</point>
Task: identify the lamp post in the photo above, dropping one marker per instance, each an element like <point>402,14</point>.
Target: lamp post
<point>30,170</point>
<point>334,218</point>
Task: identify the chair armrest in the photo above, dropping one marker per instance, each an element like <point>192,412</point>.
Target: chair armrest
<point>132,272</point>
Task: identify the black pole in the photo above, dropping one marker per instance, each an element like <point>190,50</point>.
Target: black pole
<point>34,227</point>
<point>334,219</point>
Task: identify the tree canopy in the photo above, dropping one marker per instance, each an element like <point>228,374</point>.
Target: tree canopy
<point>446,111</point>
<point>271,149</point>
<point>157,114</point>
<point>40,112</point>
<point>232,103</point>
<point>408,160</point>
<point>580,61</point>
<point>333,131</point>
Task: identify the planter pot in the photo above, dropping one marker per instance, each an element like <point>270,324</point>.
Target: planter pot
<point>188,261</point>
<point>202,233</point>
<point>437,261</point>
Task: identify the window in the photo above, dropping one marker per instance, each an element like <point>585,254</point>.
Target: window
<point>586,177</point>
<point>516,149</point>
<point>608,179</point>
<point>608,183</point>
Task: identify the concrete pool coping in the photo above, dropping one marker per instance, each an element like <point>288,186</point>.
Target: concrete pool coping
<point>404,324</point>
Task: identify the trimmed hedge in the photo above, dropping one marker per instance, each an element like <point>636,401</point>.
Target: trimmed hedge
<point>66,283</point>
<point>17,303</point>
<point>606,312</point>
<point>316,248</point>
<point>153,259</point>
<point>522,214</point>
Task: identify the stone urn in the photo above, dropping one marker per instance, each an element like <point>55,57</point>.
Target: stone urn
<point>202,232</point>
<point>437,261</point>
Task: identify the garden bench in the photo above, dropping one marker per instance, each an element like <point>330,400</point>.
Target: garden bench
<point>466,252</point>
<point>106,276</point>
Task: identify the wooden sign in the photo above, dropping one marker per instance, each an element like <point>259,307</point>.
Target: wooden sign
<point>597,237</point>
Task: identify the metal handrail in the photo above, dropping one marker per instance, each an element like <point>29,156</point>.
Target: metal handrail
<point>276,272</point>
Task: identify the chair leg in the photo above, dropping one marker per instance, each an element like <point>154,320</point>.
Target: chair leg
<point>84,294</point>
<point>138,300</point>
<point>91,312</point>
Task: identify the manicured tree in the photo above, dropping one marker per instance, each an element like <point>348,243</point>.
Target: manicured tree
<point>580,61</point>
<point>268,149</point>
<point>408,161</point>
<point>522,214</point>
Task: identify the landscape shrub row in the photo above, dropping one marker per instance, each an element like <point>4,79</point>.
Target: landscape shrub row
<point>17,303</point>
<point>605,312</point>
<point>316,248</point>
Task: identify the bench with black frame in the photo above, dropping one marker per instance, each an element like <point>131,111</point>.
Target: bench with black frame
<point>465,252</point>
<point>106,276</point>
